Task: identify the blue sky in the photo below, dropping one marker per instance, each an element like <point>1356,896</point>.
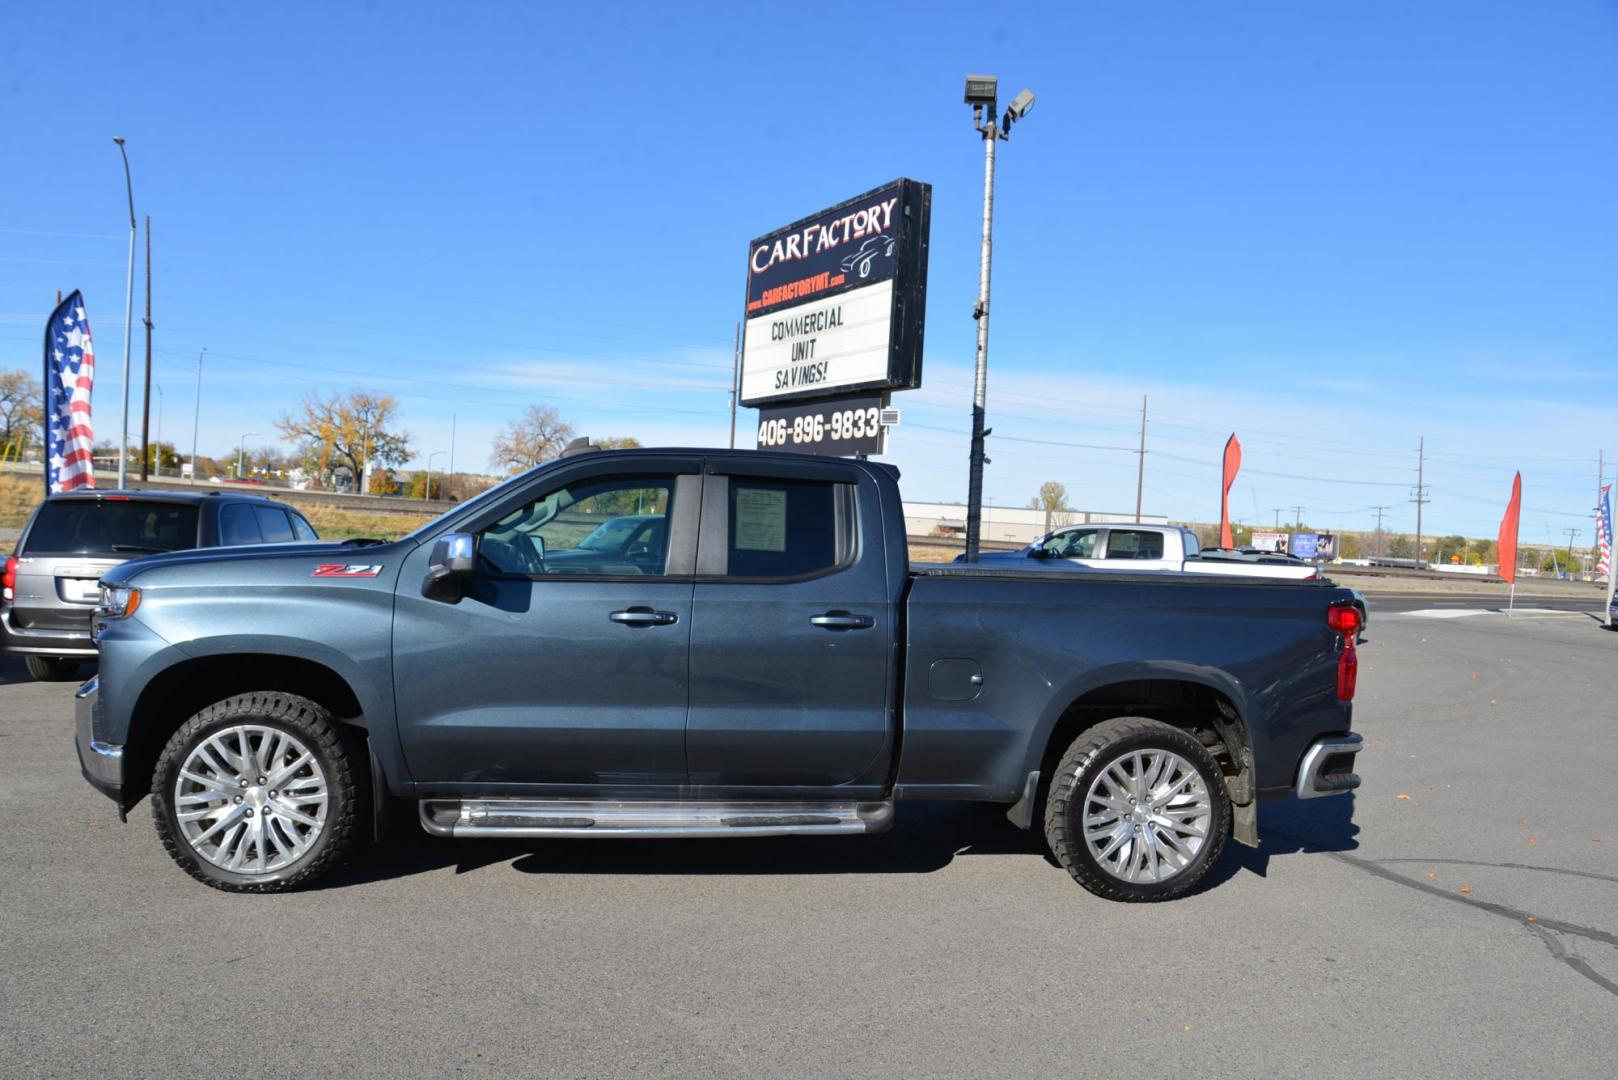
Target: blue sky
<point>1330,228</point>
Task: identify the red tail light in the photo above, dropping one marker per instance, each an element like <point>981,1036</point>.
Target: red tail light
<point>8,580</point>
<point>1348,672</point>
<point>1345,619</point>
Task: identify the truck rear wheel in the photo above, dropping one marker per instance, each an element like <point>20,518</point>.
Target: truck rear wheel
<point>255,793</point>
<point>1137,810</point>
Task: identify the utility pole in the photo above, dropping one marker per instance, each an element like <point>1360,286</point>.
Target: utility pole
<point>196,414</point>
<point>146,398</point>
<point>982,93</point>
<point>1297,521</point>
<point>1379,512</point>
<point>159,388</point>
<point>1419,495</point>
<point>1140,471</point>
<point>1277,510</point>
<point>1571,533</point>
<point>735,380</point>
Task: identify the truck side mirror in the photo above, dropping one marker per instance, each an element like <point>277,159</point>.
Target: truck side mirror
<point>454,557</point>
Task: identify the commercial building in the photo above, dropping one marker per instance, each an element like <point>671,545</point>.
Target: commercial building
<point>1006,524</point>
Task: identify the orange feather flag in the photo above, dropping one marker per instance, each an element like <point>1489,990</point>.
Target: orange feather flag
<point>1508,533</point>
<point>1233,462</point>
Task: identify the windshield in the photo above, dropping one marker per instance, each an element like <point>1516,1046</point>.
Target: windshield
<point>107,527</point>
<point>612,536</point>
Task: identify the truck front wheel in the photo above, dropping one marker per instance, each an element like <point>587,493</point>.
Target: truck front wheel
<point>1137,810</point>
<point>255,793</point>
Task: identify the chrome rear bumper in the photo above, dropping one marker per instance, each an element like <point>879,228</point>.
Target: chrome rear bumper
<point>1328,767</point>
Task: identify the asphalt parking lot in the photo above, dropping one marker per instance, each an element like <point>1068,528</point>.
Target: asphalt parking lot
<point>1456,917</point>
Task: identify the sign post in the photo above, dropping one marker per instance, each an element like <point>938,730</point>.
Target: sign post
<point>835,308</point>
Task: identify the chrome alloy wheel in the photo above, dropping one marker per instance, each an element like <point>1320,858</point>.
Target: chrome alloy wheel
<point>251,799</point>
<point>1146,816</point>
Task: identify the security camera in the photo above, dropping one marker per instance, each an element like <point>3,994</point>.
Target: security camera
<point>1020,105</point>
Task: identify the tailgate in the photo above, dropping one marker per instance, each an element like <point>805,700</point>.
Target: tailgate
<point>58,592</point>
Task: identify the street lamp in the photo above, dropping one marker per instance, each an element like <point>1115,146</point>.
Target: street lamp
<point>196,414</point>
<point>426,492</point>
<point>129,311</point>
<point>241,446</point>
<point>982,94</point>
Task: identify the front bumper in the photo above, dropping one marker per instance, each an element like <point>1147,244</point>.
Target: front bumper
<point>102,763</point>
<point>1327,767</point>
<point>31,642</point>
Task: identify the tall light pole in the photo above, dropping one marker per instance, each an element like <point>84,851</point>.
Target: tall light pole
<point>241,447</point>
<point>427,492</point>
<point>982,94</point>
<point>129,312</point>
<point>196,414</point>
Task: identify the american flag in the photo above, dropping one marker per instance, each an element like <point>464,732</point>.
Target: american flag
<point>1604,530</point>
<point>70,371</point>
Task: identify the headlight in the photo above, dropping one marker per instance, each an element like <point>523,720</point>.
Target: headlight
<point>118,601</point>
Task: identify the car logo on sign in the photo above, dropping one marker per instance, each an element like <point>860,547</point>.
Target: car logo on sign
<point>347,570</point>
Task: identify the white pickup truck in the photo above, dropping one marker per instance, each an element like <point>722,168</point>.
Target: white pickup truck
<point>1128,545</point>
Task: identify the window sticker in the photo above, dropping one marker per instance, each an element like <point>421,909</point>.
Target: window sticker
<point>761,519</point>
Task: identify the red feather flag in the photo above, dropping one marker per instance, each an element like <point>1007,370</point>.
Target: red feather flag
<point>1508,533</point>
<point>1233,462</point>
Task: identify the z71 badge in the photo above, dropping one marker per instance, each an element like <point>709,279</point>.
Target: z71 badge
<point>347,570</point>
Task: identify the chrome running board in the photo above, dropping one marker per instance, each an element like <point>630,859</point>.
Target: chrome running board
<point>585,817</point>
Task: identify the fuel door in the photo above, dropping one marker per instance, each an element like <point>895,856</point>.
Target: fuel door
<point>955,679</point>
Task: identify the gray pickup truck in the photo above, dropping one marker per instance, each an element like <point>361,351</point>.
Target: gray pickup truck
<point>750,655</point>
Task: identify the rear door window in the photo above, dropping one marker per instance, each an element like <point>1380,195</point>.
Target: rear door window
<point>238,525</point>
<point>273,524</point>
<point>301,527</point>
<point>1130,544</point>
<point>783,528</point>
<point>112,526</point>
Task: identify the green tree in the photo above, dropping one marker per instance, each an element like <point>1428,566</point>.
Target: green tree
<point>1445,549</point>
<point>1399,547</point>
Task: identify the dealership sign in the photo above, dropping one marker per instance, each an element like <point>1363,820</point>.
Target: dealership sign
<point>835,301</point>
<point>847,425</point>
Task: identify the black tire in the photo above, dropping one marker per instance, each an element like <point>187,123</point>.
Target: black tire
<point>52,668</point>
<point>1089,755</point>
<point>311,724</point>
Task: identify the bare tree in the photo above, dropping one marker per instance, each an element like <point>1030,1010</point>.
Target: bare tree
<point>22,409</point>
<point>1052,497</point>
<point>344,431</point>
<point>538,435</point>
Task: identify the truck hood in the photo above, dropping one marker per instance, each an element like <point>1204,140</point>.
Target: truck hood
<point>315,552</point>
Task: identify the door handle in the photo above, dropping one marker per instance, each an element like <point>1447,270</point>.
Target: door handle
<point>643,616</point>
<point>842,620</point>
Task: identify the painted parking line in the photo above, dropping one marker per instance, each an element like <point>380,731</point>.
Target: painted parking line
<point>1518,613</point>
